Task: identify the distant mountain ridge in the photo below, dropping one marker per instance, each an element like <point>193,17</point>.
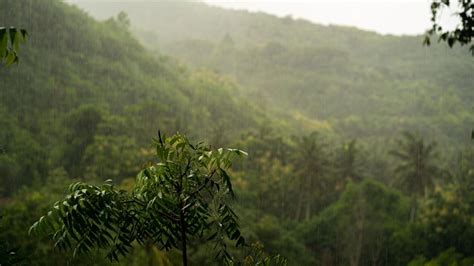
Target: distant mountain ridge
<point>361,83</point>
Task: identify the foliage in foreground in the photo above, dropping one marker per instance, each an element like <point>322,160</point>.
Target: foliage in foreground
<point>464,13</point>
<point>185,194</point>
<point>10,40</point>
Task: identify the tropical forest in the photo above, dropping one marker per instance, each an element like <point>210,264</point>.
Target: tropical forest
<point>182,132</point>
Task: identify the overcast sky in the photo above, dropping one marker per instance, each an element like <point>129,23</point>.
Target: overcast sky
<point>383,16</point>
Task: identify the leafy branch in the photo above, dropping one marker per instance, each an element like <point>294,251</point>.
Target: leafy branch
<point>185,194</point>
<point>10,40</point>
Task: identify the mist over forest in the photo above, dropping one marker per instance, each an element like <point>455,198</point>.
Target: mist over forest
<point>340,146</point>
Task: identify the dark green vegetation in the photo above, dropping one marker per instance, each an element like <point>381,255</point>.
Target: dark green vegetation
<point>357,84</point>
<point>87,98</point>
<point>186,194</point>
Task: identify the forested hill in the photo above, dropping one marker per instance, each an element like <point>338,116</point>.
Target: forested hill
<point>86,98</point>
<point>360,83</point>
<point>87,93</point>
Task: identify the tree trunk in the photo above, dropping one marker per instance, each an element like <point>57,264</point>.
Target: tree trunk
<point>413,209</point>
<point>359,233</point>
<point>308,207</point>
<point>309,193</point>
<point>299,205</point>
<point>183,237</point>
<point>377,250</point>
<point>149,252</point>
<point>182,221</point>
<point>355,258</point>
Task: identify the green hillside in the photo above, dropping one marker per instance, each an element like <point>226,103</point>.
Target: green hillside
<point>329,178</point>
<point>85,101</point>
<point>94,77</point>
<point>360,83</point>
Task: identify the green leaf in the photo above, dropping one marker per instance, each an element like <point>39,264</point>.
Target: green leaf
<point>235,235</point>
<point>451,41</point>
<point>11,58</point>
<point>3,42</point>
<point>212,237</point>
<point>227,181</point>
<point>427,41</point>
<point>240,242</point>
<point>24,33</point>
<point>12,32</point>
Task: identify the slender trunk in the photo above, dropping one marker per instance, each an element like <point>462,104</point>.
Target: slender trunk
<point>182,221</point>
<point>282,202</point>
<point>308,208</point>
<point>358,248</point>
<point>299,205</point>
<point>359,231</point>
<point>413,209</point>
<point>259,203</point>
<point>377,250</point>
<point>149,252</point>
<point>183,238</point>
<point>308,194</point>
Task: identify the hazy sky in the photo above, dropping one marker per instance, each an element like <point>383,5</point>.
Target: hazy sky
<point>383,16</point>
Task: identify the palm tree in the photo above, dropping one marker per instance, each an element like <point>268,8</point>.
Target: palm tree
<point>311,162</point>
<point>348,164</point>
<point>417,166</point>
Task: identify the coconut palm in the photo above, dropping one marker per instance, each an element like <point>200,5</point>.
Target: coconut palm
<point>348,163</point>
<point>417,166</point>
<point>311,163</point>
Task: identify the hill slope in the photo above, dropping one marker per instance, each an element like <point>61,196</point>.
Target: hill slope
<point>82,85</point>
<point>360,83</point>
<point>87,97</point>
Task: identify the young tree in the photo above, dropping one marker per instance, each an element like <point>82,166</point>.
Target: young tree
<point>185,194</point>
<point>417,167</point>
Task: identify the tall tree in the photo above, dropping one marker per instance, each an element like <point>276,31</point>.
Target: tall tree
<point>417,166</point>
<point>348,163</point>
<point>358,227</point>
<point>310,164</point>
